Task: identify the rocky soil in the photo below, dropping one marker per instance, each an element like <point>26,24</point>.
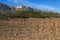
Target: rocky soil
<point>30,29</point>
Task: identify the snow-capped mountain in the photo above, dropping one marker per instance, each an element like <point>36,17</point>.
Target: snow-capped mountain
<point>4,7</point>
<point>23,8</point>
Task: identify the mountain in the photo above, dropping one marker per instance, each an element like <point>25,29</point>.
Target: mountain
<point>4,7</point>
<point>23,8</point>
<point>26,8</point>
<point>7,12</point>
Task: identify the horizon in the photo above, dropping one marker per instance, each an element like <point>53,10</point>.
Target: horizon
<point>40,4</point>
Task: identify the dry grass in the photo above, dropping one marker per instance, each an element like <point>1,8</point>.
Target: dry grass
<point>30,29</point>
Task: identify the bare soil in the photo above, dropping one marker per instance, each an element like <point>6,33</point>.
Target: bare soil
<point>30,29</point>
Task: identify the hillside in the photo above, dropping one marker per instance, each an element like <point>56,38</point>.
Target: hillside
<point>7,12</point>
<point>28,14</point>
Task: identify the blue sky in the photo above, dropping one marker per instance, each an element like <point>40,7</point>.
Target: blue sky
<point>39,4</point>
